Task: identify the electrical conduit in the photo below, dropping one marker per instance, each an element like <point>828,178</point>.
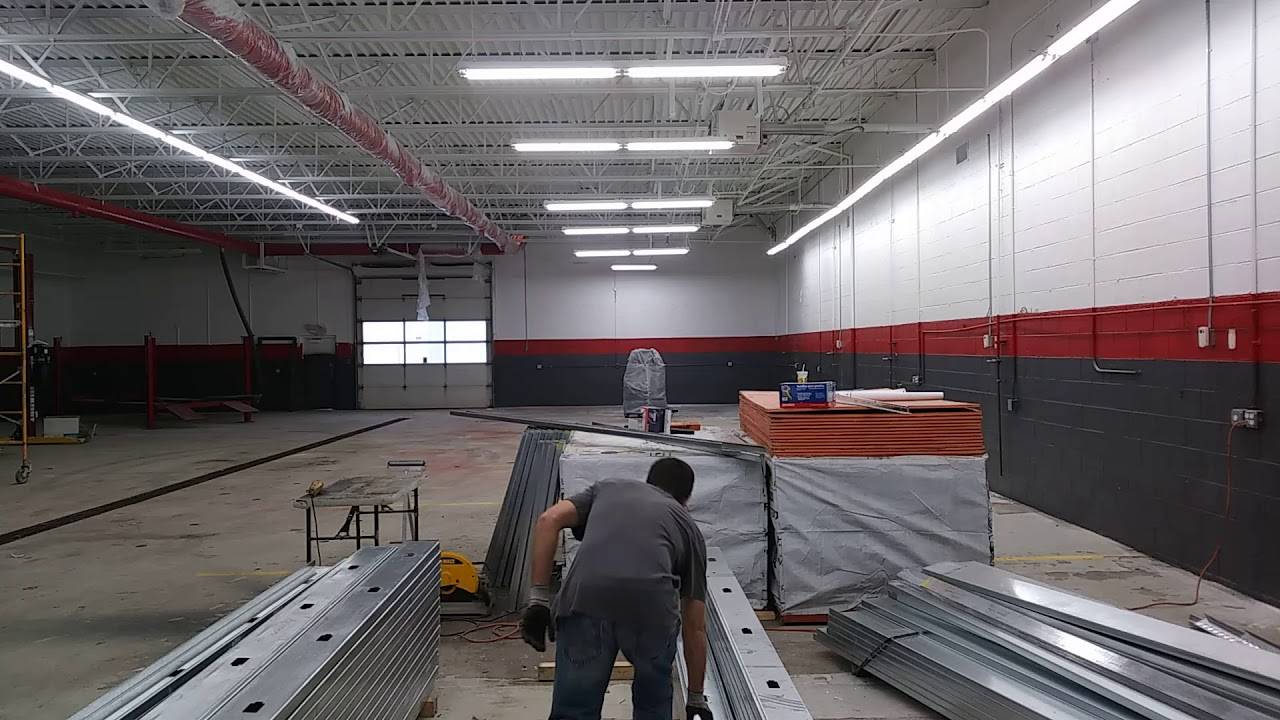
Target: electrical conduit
<point>224,22</point>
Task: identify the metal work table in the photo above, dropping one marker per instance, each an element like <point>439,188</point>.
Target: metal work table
<point>366,495</point>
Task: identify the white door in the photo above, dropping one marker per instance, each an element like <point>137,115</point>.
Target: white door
<point>443,362</point>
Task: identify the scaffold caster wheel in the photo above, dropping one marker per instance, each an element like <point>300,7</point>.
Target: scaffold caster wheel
<point>23,474</point>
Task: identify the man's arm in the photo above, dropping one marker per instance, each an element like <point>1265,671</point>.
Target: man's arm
<point>694,633</point>
<point>546,535</point>
<point>536,623</point>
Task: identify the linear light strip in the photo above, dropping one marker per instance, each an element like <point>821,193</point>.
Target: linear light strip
<point>541,70</point>
<point>1072,39</point>
<point>133,123</point>
<point>595,230</point>
<point>609,146</point>
<point>658,229</point>
<point>644,252</point>
<point>596,205</point>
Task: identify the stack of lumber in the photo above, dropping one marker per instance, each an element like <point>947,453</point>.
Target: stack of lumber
<point>931,427</point>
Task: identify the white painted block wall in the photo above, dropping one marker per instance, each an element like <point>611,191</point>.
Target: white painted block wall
<point>118,299</point>
<point>1085,198</point>
<point>724,289</point>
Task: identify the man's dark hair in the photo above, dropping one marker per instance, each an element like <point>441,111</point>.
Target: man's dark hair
<point>673,475</point>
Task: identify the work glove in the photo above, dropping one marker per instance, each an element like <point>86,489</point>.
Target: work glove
<point>696,707</point>
<point>536,624</point>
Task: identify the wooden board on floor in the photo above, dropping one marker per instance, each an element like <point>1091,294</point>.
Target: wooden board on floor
<point>622,670</point>
<point>428,709</point>
<point>804,619</point>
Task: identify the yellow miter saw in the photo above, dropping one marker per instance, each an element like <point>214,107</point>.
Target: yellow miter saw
<point>460,591</point>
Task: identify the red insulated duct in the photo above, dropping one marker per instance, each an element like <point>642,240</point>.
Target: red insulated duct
<point>226,24</point>
<point>89,207</point>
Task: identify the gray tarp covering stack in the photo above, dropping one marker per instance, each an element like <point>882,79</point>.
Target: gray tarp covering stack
<point>359,639</point>
<point>644,382</point>
<point>844,527</point>
<point>974,642</point>
<point>534,486</point>
<point>728,500</point>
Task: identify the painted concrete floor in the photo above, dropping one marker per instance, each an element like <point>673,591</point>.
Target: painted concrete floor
<point>85,605</point>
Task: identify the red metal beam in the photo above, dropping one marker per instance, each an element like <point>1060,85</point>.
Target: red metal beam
<point>89,207</point>
<point>294,249</point>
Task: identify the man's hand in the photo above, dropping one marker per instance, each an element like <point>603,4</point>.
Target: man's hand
<point>537,624</point>
<point>696,707</point>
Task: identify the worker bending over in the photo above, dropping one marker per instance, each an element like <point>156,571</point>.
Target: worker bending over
<point>641,569</point>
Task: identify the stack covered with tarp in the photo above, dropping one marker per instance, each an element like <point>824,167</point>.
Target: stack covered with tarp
<point>728,503</point>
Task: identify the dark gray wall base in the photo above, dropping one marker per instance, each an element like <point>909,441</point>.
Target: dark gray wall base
<point>692,378</point>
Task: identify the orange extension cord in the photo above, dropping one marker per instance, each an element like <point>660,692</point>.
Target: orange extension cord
<point>1226,518</point>
<point>498,630</point>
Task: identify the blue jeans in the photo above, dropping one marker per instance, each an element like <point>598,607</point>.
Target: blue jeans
<point>585,650</point>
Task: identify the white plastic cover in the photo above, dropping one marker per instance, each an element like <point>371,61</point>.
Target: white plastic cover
<point>424,289</point>
<point>728,500</point>
<point>644,382</point>
<point>844,527</point>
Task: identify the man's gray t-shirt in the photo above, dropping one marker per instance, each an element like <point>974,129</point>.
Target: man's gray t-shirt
<point>640,552</point>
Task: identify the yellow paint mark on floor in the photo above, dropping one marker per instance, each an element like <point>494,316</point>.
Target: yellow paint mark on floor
<point>245,573</point>
<point>1047,558</point>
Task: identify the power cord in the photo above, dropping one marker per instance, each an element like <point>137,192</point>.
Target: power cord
<point>498,630</point>
<point>1217,550</point>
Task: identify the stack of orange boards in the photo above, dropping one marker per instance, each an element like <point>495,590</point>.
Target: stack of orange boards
<point>933,427</point>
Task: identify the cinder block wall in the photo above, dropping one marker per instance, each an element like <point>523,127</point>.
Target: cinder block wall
<point>1094,218</point>
<point>563,326</point>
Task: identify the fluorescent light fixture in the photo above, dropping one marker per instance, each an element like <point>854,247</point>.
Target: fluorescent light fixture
<point>595,230</point>
<point>601,253</point>
<point>583,205</point>
<point>534,71</point>
<point>643,252</point>
<point>567,146</point>
<point>676,144</point>
<point>1070,40</point>
<point>769,67</point>
<point>655,229</point>
<point>87,103</point>
<point>632,268</point>
<point>673,204</point>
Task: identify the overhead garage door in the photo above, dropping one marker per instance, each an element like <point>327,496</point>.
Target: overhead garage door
<point>443,362</point>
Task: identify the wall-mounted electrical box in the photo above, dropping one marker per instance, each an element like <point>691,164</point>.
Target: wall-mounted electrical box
<point>1247,418</point>
<point>719,214</point>
<point>1204,336</point>
<point>740,126</point>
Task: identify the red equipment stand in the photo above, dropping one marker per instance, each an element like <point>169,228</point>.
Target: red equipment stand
<point>186,408</point>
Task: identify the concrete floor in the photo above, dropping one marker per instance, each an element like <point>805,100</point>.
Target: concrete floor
<point>85,605</point>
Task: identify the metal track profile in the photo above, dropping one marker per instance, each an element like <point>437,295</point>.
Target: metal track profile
<point>534,486</point>
<point>1226,631</point>
<point>968,657</point>
<point>360,639</point>
<point>1245,662</point>
<point>152,684</point>
<point>745,676</point>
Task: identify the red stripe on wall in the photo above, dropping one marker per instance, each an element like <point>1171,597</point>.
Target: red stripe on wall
<point>1149,331</point>
<point>99,354</point>
<point>516,348</point>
